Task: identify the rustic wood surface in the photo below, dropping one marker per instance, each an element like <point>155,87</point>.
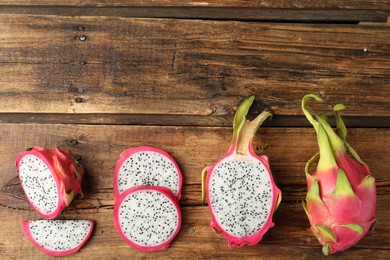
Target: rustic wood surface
<point>89,76</point>
<point>166,66</point>
<point>348,4</point>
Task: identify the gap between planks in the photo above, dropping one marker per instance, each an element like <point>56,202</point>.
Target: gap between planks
<point>180,120</point>
<point>209,13</point>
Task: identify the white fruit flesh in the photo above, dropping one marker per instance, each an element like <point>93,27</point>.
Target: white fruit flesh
<point>148,218</point>
<point>240,191</point>
<point>148,168</point>
<point>59,235</point>
<point>38,184</point>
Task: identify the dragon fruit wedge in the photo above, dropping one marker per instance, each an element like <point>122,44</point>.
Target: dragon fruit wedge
<point>50,179</point>
<point>147,218</point>
<point>147,166</point>
<point>341,197</point>
<point>240,190</point>
<point>58,237</point>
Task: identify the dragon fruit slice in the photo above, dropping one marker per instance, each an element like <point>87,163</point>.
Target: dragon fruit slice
<point>241,192</point>
<point>147,218</point>
<point>50,179</point>
<point>147,166</point>
<point>58,237</point>
<point>341,198</point>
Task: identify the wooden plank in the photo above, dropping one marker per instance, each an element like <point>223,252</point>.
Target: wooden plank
<point>212,13</point>
<point>335,4</point>
<point>187,67</point>
<point>193,147</point>
<point>290,236</point>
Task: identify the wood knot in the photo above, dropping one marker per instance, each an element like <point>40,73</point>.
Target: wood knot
<point>74,142</point>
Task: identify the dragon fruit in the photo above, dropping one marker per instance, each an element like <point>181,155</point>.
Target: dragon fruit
<point>147,218</point>
<point>147,166</point>
<point>58,237</point>
<point>50,179</point>
<point>240,190</point>
<point>341,198</point>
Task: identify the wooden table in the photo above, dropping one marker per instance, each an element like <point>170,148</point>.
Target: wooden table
<point>101,76</point>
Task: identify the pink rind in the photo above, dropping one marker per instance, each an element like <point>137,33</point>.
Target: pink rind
<point>26,230</point>
<point>127,153</point>
<point>165,191</point>
<point>257,237</point>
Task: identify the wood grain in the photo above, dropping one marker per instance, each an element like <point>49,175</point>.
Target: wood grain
<point>335,4</point>
<point>183,67</point>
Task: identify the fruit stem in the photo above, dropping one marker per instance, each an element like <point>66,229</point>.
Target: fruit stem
<point>248,130</point>
<point>339,122</point>
<point>337,144</point>
<point>309,163</point>
<point>342,130</point>
<point>308,111</point>
<point>327,159</point>
<point>239,117</point>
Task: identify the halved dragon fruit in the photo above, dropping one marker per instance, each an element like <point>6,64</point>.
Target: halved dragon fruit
<point>50,179</point>
<point>147,166</point>
<point>147,218</point>
<point>341,197</point>
<point>58,237</point>
<point>241,192</point>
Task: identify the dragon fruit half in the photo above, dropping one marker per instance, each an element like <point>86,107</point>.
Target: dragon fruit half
<point>240,190</point>
<point>58,237</point>
<point>50,179</point>
<point>341,198</point>
<point>147,166</point>
<point>147,218</point>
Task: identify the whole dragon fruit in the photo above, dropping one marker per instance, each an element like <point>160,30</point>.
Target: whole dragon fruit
<point>58,237</point>
<point>147,166</point>
<point>241,192</point>
<point>50,179</point>
<point>147,217</point>
<point>341,198</point>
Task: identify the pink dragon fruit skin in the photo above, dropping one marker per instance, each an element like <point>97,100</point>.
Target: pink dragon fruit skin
<point>242,149</point>
<point>66,172</point>
<point>341,198</point>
